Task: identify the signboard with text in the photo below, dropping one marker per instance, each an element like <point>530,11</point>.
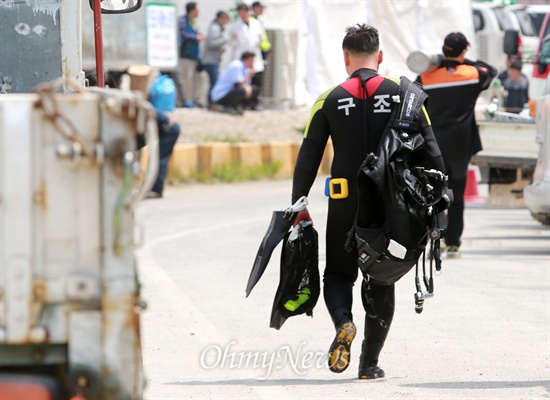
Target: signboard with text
<point>162,40</point>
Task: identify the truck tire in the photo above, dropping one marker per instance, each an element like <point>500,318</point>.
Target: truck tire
<point>542,218</point>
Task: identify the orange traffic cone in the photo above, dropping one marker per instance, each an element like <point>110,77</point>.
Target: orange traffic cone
<point>471,193</point>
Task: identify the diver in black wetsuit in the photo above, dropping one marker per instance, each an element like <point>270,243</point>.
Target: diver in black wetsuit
<point>354,115</point>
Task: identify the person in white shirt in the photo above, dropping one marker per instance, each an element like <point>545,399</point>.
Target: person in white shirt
<point>245,34</point>
<point>265,45</point>
<point>233,89</point>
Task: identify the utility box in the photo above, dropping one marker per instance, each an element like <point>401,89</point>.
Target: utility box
<point>69,291</point>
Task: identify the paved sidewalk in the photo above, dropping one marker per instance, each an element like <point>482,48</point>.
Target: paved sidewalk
<point>484,335</point>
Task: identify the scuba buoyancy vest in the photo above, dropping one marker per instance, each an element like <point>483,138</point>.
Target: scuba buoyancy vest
<point>396,197</point>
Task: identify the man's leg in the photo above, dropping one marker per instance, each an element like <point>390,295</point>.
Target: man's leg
<point>379,305</point>
<point>187,75</point>
<point>340,274</point>
<point>199,86</point>
<point>168,136</point>
<point>212,70</point>
<point>182,83</point>
<point>233,99</point>
<point>258,80</point>
<point>175,75</point>
<point>341,267</point>
<point>252,101</point>
<point>455,214</point>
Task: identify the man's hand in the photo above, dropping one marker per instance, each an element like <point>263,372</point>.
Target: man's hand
<point>302,216</point>
<point>247,91</point>
<point>446,200</point>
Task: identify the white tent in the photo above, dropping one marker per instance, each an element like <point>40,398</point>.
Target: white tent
<point>318,27</point>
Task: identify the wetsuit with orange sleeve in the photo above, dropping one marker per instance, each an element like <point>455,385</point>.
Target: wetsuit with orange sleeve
<point>453,89</point>
<point>353,115</point>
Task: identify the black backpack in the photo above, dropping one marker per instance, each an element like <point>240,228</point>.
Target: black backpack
<point>396,212</point>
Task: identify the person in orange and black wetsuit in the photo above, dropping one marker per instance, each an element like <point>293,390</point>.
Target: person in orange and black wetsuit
<point>354,115</point>
<point>453,89</point>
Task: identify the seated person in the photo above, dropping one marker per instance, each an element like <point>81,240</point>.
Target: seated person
<point>233,89</point>
<point>517,86</point>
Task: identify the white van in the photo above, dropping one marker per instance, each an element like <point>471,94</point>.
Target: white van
<point>528,19</point>
<point>491,20</point>
<point>489,35</point>
<point>537,194</point>
<point>537,12</point>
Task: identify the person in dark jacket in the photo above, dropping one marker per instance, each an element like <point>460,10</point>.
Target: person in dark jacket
<point>453,89</point>
<point>189,40</point>
<point>354,115</point>
<point>517,87</point>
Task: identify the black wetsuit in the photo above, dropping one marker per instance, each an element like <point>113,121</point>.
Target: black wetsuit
<point>354,118</point>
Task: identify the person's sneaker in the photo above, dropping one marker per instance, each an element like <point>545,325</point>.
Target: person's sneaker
<point>339,352</point>
<point>230,110</point>
<point>371,373</point>
<point>453,252</point>
<point>442,246</point>
<point>233,110</point>
<point>153,195</point>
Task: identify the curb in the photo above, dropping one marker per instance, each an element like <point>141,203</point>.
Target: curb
<point>189,158</point>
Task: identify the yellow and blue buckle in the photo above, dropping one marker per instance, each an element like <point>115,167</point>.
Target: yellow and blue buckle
<point>336,188</point>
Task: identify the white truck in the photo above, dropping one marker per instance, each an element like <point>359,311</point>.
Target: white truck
<point>537,195</point>
<point>69,287</point>
<point>508,158</point>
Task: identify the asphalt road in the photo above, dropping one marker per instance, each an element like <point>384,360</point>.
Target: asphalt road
<point>484,335</point>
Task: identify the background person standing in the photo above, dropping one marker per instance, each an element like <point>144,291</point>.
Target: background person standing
<point>265,44</point>
<point>189,39</point>
<point>214,48</point>
<point>453,89</point>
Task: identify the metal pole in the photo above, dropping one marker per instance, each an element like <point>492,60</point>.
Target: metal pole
<point>98,32</point>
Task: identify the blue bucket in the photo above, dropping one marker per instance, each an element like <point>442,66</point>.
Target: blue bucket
<point>163,94</point>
